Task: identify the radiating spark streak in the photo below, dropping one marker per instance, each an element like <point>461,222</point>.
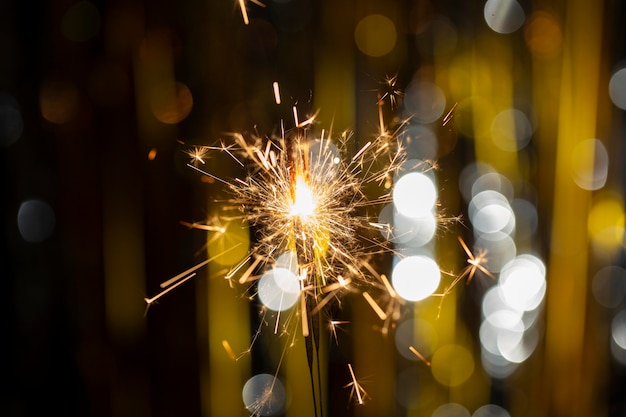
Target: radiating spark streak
<point>203,172</point>
<point>320,305</point>
<point>229,350</point>
<point>449,115</point>
<point>172,280</point>
<point>196,267</point>
<point>381,121</point>
<point>333,324</point>
<point>379,311</point>
<point>258,3</point>
<point>206,227</point>
<point>336,285</point>
<point>304,319</point>
<point>150,301</point>
<point>244,11</point>
<point>356,387</point>
<point>419,355</point>
<point>295,116</point>
<point>388,286</point>
<point>276,92</point>
<point>361,151</point>
<point>246,275</point>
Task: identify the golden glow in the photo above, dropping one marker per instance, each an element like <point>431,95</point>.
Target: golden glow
<point>304,201</point>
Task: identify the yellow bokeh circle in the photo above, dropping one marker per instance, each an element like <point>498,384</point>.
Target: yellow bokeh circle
<point>375,35</point>
<point>452,365</point>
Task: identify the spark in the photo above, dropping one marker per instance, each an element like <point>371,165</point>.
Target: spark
<point>207,227</point>
<point>276,92</point>
<point>475,264</point>
<point>379,311</point>
<point>390,91</point>
<point>197,154</point>
<point>449,115</point>
<point>229,350</point>
<point>419,355</point>
<point>333,325</point>
<point>357,389</point>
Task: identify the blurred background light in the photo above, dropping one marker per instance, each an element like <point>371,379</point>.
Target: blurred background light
<point>81,21</point>
<point>279,289</point>
<point>452,365</point>
<point>424,101</point>
<point>264,395</point>
<point>35,220</point>
<point>504,16</point>
<point>617,88</point>
<point>415,277</point>
<point>11,122</point>
<point>375,35</point>
<point>414,194</point>
<point>609,286</point>
<point>451,410</point>
<point>590,174</point>
<point>491,410</point>
<point>511,130</point>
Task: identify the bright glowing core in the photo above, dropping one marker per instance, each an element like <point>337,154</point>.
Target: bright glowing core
<point>304,201</point>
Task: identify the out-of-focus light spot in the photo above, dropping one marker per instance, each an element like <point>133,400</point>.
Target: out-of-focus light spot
<point>522,282</point>
<point>417,333</point>
<point>452,365</point>
<point>526,218</point>
<point>264,395</point>
<point>493,304</point>
<point>152,154</point>
<point>424,101</point>
<point>416,277</point>
<point>617,88</point>
<point>414,194</point>
<point>419,142</point>
<point>375,35</point>
<point>491,410</point>
<point>606,222</point>
<point>511,130</point>
<point>413,231</point>
<point>497,366</point>
<point>499,249</point>
<point>588,173</point>
<point>81,22</point>
<point>490,335</point>
<point>609,286</point>
<point>230,247</point>
<point>490,212</point>
<point>58,101</point>
<point>171,102</point>
<point>469,176</point>
<point>517,351</point>
<point>493,181</point>
<point>35,220</point>
<point>11,122</point>
<point>451,410</point>
<point>504,16</point>
<point>618,329</point>
<point>279,289</point>
<point>543,35</point>
<point>288,261</point>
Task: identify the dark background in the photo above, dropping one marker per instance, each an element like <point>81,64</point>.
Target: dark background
<point>73,339</point>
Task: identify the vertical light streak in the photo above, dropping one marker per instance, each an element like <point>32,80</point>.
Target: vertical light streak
<point>567,275</point>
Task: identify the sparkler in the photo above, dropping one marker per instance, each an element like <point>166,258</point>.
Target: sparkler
<point>304,193</point>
